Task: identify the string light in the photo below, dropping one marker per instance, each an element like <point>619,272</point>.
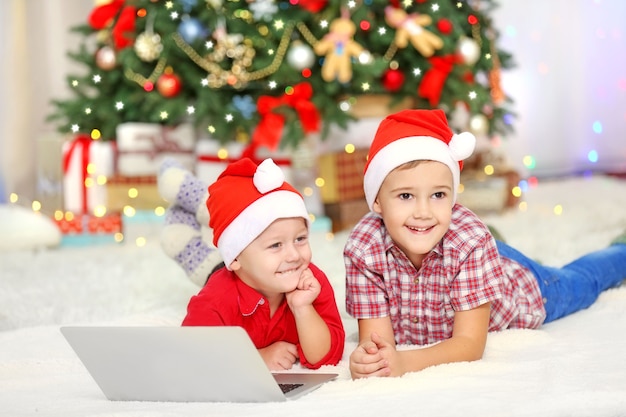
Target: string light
<point>147,82</point>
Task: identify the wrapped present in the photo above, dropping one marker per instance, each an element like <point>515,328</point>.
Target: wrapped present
<point>212,158</point>
<point>298,165</point>
<point>86,165</point>
<point>483,193</point>
<point>342,173</point>
<point>80,229</point>
<point>346,214</point>
<point>358,134</point>
<point>379,105</point>
<point>141,147</point>
<point>141,193</point>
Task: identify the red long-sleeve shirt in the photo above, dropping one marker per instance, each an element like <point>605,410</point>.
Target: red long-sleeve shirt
<point>227,301</point>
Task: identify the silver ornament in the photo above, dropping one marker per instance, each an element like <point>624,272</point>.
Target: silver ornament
<point>105,58</point>
<point>469,49</point>
<point>300,56</point>
<point>366,58</point>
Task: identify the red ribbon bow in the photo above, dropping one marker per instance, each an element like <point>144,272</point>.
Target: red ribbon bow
<point>313,6</point>
<point>123,22</point>
<point>434,79</point>
<point>270,128</point>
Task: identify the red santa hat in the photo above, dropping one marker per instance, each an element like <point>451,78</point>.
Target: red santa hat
<point>412,135</point>
<point>245,200</point>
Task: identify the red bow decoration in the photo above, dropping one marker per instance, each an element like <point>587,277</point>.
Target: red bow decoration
<point>270,128</point>
<point>313,6</point>
<point>434,79</point>
<point>104,16</point>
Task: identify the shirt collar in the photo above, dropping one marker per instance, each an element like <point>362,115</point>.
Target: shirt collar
<point>249,299</point>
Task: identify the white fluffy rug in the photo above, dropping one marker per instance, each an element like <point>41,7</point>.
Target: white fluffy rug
<point>572,367</point>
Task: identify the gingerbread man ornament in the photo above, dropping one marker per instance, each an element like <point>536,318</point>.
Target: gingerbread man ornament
<point>339,48</point>
<point>410,28</point>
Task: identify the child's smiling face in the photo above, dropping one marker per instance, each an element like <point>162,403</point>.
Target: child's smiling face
<point>273,262</point>
<point>415,202</point>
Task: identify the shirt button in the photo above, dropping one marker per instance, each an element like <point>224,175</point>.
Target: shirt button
<point>545,300</point>
<point>415,319</point>
<point>416,280</point>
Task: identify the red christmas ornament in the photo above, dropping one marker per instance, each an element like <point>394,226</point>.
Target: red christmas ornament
<point>312,6</point>
<point>169,84</point>
<point>393,79</point>
<point>468,77</point>
<point>444,26</point>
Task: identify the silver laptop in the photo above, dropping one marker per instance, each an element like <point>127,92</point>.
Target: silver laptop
<point>183,364</point>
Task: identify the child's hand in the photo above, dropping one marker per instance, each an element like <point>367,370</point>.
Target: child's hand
<point>306,291</point>
<point>372,358</point>
<point>279,355</point>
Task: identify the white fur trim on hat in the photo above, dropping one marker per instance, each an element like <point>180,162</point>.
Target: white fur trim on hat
<point>415,148</point>
<point>255,218</point>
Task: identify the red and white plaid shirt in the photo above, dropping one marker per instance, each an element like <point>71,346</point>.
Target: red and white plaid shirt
<point>462,272</point>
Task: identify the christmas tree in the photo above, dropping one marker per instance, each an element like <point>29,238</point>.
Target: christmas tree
<point>269,72</point>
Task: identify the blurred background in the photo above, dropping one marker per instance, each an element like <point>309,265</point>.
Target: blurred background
<point>559,66</point>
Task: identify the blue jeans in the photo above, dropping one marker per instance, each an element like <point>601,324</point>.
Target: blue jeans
<point>576,285</point>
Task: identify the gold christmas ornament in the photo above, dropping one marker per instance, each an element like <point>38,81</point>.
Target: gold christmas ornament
<point>479,125</point>
<point>148,46</point>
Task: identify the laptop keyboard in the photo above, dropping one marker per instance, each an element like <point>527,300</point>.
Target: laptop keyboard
<point>288,387</point>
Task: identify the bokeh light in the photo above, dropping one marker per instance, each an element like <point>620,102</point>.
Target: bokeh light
<point>529,162</point>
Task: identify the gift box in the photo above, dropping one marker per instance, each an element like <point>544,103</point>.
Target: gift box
<point>141,193</point>
<point>379,105</point>
<point>84,228</point>
<point>212,158</point>
<point>357,134</point>
<point>346,214</point>
<point>86,165</point>
<point>485,194</point>
<point>342,173</point>
<point>298,165</point>
<point>141,147</point>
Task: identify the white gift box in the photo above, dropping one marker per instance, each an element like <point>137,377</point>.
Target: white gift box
<point>359,133</point>
<point>86,165</point>
<point>212,158</point>
<point>142,147</point>
<point>299,166</point>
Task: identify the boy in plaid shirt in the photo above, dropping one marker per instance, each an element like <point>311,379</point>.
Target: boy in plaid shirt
<point>423,270</point>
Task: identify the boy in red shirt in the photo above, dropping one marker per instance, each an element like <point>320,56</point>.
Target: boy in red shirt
<point>268,285</point>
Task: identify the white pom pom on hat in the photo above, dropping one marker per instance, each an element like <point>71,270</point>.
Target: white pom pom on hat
<point>268,176</point>
<point>244,200</point>
<point>412,135</point>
